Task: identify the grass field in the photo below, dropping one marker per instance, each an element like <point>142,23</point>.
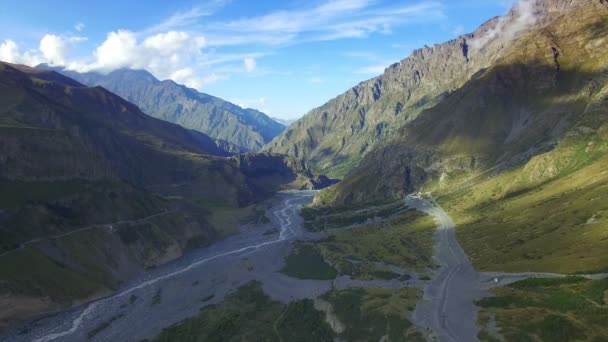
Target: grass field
<point>250,315</point>
<point>306,262</point>
<point>563,309</point>
<point>375,314</point>
<point>323,218</point>
<point>405,241</point>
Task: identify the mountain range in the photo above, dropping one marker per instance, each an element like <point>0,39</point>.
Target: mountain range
<point>235,128</point>
<point>506,128</point>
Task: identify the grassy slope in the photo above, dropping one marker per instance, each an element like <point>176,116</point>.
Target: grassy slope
<point>568,309</point>
<point>557,226</point>
<point>405,241</point>
<point>306,262</point>
<point>375,314</point>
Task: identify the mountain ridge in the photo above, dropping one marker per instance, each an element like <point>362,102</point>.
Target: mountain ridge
<point>247,130</point>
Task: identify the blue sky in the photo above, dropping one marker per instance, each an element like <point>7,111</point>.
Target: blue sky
<point>281,57</point>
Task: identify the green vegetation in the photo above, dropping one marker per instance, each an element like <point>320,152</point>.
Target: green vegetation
<point>405,241</point>
<point>16,193</point>
<point>306,262</point>
<point>552,309</point>
<point>227,218</point>
<point>505,223</point>
<point>238,129</point>
<point>323,218</point>
<point>371,314</point>
<point>44,278</point>
<point>250,315</point>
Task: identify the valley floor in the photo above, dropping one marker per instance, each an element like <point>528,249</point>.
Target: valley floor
<point>268,276</point>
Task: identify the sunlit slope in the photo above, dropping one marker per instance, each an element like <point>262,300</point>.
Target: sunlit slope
<point>547,93</point>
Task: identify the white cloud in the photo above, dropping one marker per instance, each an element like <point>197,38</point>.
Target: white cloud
<point>328,21</point>
<point>9,52</point>
<point>372,70</point>
<point>190,17</point>
<point>166,55</point>
<point>54,49</point>
<point>507,27</point>
<point>79,26</point>
<point>249,63</point>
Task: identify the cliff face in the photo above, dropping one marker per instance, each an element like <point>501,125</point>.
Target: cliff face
<point>334,137</point>
<point>538,98</point>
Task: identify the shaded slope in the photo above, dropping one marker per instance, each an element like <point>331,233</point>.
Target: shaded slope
<point>94,191</point>
<point>245,129</point>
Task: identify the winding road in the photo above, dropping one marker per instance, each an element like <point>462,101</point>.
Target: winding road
<point>447,311</point>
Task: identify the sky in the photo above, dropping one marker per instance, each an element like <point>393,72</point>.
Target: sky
<point>281,57</point>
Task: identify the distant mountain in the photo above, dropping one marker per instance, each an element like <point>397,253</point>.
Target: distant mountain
<point>246,130</point>
<point>284,122</point>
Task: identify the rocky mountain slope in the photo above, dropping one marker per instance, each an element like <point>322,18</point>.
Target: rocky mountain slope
<point>517,154</point>
<point>94,191</point>
<point>335,136</point>
<point>238,129</point>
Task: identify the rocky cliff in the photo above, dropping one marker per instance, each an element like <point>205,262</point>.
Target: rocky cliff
<point>533,99</point>
<point>334,137</point>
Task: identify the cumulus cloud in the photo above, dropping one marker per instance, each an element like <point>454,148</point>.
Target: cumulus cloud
<point>249,63</point>
<point>508,26</point>
<point>54,49</point>
<point>9,52</point>
<point>166,55</point>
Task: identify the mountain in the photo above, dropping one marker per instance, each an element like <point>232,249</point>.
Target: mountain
<point>245,130</point>
<point>284,122</point>
<point>94,191</point>
<point>517,154</point>
<point>334,137</point>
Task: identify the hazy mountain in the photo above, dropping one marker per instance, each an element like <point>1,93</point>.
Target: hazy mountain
<point>245,129</point>
<point>284,122</point>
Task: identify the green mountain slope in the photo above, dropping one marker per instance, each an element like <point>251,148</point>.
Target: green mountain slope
<point>94,191</point>
<point>246,130</point>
